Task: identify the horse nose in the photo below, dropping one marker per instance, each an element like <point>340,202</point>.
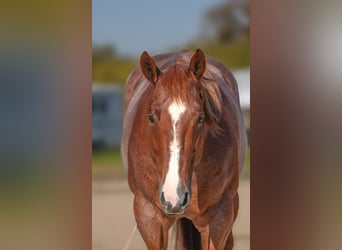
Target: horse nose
<point>172,207</point>
<point>184,199</point>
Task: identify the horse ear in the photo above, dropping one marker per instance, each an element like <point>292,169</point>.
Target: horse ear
<point>149,68</point>
<point>197,64</point>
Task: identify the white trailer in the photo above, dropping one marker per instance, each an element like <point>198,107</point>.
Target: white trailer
<point>107,113</point>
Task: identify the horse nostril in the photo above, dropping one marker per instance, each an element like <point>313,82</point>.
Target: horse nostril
<point>185,200</point>
<point>162,198</point>
<point>163,201</point>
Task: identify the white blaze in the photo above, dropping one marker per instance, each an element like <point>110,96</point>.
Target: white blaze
<point>172,177</point>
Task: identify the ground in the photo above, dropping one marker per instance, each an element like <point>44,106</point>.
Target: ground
<point>113,219</point>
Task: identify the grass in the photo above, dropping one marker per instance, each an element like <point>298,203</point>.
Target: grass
<point>107,164</point>
<point>245,174</point>
<point>107,158</point>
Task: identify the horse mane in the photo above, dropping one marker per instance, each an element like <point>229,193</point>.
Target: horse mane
<point>212,98</point>
<point>210,92</point>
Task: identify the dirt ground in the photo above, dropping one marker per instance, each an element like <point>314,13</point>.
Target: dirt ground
<point>113,219</point>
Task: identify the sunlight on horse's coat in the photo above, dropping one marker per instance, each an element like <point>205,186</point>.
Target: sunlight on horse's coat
<point>176,109</point>
<point>184,141</point>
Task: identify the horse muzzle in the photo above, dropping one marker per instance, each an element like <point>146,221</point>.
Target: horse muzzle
<point>172,207</point>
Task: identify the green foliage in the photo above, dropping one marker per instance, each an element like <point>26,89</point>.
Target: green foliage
<point>229,44</point>
<point>108,67</point>
<point>103,53</point>
<point>115,70</point>
<point>229,20</point>
<point>234,54</point>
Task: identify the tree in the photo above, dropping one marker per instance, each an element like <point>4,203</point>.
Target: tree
<point>103,53</point>
<point>229,20</point>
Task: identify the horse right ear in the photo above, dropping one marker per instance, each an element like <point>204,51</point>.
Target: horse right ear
<point>149,68</point>
<point>197,64</point>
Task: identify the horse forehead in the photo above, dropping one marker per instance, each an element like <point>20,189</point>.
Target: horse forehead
<point>176,109</point>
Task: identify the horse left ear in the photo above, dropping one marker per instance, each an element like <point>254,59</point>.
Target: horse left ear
<point>149,68</point>
<point>197,64</point>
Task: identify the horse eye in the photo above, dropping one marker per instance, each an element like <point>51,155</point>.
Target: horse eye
<point>151,119</point>
<point>200,119</point>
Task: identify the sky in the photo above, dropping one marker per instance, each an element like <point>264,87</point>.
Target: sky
<point>134,26</point>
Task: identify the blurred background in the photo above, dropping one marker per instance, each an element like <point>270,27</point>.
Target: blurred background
<point>46,116</point>
<point>219,28</point>
<point>121,32</point>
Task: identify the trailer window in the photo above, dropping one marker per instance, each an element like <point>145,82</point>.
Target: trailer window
<point>99,106</point>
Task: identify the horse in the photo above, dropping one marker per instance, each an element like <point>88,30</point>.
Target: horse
<point>184,145</point>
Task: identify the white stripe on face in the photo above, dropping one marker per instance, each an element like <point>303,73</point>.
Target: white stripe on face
<point>176,109</point>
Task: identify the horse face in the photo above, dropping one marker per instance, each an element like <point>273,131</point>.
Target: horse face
<point>185,123</point>
<point>176,129</point>
<point>175,117</point>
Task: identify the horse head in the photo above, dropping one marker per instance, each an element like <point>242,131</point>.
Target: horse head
<point>176,118</point>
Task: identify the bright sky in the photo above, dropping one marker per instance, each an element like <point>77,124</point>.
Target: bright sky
<point>133,26</point>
